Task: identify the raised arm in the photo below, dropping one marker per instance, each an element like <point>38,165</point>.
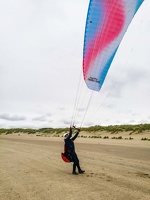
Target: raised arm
<point>76,135</point>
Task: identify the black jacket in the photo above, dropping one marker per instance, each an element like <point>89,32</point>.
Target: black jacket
<point>69,144</point>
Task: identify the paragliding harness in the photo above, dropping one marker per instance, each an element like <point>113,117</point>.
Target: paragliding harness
<point>66,156</point>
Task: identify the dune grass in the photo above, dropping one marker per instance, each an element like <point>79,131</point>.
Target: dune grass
<point>139,128</point>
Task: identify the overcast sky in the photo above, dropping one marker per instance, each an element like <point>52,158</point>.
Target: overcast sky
<point>41,46</point>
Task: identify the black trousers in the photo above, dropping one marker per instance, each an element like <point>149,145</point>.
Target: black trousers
<point>75,161</point>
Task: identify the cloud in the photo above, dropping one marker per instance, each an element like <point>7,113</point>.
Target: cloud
<point>8,117</point>
<point>131,121</point>
<point>43,118</point>
<point>61,108</point>
<point>81,109</point>
<point>65,122</point>
<point>39,118</point>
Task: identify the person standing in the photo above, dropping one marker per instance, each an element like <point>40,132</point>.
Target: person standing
<point>70,149</point>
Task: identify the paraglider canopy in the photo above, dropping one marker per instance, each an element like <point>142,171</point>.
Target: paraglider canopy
<point>106,24</point>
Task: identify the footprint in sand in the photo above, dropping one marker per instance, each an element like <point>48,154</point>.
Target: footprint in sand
<point>101,175</point>
<point>143,175</point>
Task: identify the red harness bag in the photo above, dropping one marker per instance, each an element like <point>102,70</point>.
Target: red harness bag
<point>66,157</point>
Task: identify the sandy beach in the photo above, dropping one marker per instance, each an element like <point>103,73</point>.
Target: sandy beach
<point>31,169</point>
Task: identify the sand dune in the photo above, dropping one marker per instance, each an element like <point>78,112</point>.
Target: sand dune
<point>31,169</point>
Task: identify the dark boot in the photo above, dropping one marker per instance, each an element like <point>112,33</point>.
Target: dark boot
<point>75,173</point>
<point>81,171</point>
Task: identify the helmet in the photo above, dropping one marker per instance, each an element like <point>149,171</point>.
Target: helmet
<point>65,135</point>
